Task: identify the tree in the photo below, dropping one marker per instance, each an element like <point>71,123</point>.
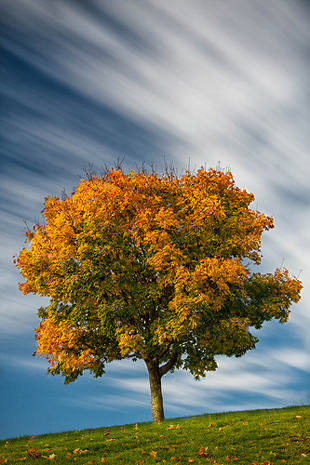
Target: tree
<point>152,267</point>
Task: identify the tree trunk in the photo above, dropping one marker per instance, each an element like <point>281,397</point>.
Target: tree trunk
<point>156,393</point>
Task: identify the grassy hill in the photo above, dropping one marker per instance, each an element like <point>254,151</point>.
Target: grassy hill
<point>259,437</point>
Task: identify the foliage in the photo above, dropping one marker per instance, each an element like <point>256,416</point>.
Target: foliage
<point>153,267</point>
<point>260,437</point>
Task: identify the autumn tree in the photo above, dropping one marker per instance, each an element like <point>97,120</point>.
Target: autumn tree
<point>152,267</point>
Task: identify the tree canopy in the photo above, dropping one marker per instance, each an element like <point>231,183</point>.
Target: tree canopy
<point>152,267</point>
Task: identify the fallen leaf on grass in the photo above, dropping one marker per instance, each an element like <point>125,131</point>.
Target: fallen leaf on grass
<point>17,459</point>
<point>33,452</point>
<point>91,462</point>
<point>175,459</point>
<point>298,416</point>
<point>4,461</point>
<point>191,460</point>
<point>170,427</point>
<point>102,460</point>
<point>153,454</point>
<point>203,452</point>
<point>80,451</point>
<point>231,459</point>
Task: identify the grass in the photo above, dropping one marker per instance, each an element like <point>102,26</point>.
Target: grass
<point>259,437</point>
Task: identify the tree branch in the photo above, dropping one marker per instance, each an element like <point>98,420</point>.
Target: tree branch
<point>170,364</point>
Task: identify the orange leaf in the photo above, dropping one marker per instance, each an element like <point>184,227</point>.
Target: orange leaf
<point>203,452</point>
<point>33,452</point>
<point>153,454</point>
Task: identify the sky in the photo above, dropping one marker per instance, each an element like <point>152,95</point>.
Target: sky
<point>190,82</point>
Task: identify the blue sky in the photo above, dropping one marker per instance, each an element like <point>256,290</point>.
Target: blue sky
<point>86,82</point>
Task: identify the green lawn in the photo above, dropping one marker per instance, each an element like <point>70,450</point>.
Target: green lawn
<point>259,437</point>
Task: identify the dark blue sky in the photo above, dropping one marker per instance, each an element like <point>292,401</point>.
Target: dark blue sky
<point>87,82</point>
